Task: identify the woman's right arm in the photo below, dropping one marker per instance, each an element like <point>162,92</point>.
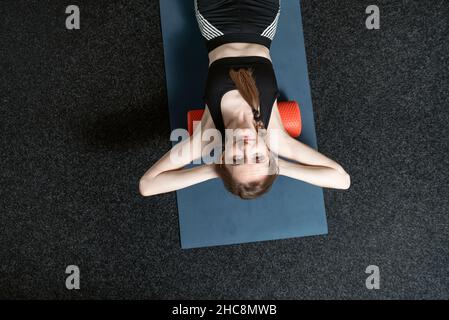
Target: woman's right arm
<point>322,176</point>
<point>295,150</point>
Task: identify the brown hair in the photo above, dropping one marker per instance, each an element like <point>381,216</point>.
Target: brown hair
<point>246,85</point>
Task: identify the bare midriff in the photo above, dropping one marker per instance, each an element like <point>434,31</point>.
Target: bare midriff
<point>239,49</point>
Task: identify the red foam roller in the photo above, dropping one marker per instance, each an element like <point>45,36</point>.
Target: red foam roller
<point>289,111</point>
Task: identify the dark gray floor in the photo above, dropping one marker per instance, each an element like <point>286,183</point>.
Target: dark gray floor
<point>83,115</point>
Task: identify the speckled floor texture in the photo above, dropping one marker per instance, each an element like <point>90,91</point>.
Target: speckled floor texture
<point>84,115</point>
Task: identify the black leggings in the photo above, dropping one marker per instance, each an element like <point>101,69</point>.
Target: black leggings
<point>224,21</point>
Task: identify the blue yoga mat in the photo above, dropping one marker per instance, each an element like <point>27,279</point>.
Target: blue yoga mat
<point>208,214</point>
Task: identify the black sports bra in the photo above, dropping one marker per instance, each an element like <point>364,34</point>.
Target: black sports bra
<point>218,83</point>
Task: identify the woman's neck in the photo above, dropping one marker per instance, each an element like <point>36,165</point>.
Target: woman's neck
<point>237,115</point>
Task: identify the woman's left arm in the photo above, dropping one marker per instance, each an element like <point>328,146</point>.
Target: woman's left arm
<point>321,176</point>
<point>173,180</point>
<point>168,173</point>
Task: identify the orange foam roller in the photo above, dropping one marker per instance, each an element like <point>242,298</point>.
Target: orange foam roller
<point>289,111</point>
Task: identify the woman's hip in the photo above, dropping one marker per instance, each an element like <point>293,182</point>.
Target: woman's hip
<point>233,16</point>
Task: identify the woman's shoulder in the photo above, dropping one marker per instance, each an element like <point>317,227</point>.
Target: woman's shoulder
<point>207,122</point>
<point>275,120</point>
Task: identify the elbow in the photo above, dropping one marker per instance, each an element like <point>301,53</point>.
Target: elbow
<point>345,178</point>
<point>346,181</point>
<point>144,189</point>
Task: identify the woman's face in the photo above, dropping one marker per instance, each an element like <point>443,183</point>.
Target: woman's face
<point>249,157</point>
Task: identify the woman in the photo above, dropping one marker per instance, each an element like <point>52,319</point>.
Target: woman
<point>241,94</point>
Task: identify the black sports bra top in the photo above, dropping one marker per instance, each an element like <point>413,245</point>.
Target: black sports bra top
<point>219,82</point>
